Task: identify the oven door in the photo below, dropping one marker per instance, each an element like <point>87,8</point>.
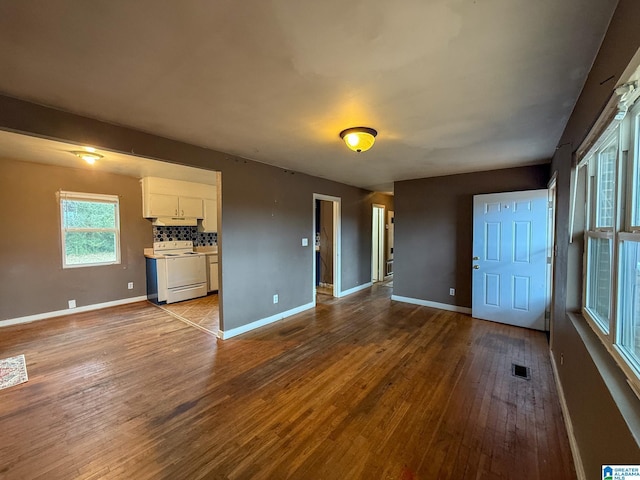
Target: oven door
<point>187,270</point>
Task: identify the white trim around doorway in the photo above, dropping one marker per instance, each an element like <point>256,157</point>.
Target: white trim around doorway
<point>337,244</point>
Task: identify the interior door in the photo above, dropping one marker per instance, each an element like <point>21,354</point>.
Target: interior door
<point>510,258</point>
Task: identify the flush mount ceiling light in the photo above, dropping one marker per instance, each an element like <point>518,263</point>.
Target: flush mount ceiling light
<point>359,139</point>
<point>89,157</point>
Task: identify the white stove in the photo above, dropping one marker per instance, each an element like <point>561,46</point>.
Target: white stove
<point>175,272</point>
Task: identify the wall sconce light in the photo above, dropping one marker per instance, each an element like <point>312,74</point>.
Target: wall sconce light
<point>359,139</point>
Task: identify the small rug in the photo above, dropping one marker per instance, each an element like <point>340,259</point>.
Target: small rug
<point>13,371</point>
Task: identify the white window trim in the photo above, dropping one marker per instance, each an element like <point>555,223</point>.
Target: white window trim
<point>633,181</point>
<point>89,197</point>
<point>627,179</point>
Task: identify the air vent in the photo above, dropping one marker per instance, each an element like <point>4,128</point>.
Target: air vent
<point>520,371</point>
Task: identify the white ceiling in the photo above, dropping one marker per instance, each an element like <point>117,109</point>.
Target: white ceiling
<point>451,86</point>
<point>14,146</point>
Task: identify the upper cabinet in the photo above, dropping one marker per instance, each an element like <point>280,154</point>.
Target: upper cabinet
<point>210,221</point>
<point>164,197</point>
<point>161,205</point>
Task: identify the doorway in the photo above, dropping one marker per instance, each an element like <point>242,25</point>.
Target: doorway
<point>509,275</point>
<point>390,239</point>
<point>378,266</point>
<point>326,251</point>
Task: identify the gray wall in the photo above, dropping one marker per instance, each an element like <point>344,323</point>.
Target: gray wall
<point>433,230</point>
<point>33,280</point>
<point>266,211</point>
<point>601,405</point>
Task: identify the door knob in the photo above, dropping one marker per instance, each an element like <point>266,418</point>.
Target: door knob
<point>476,267</point>
<point>476,258</point>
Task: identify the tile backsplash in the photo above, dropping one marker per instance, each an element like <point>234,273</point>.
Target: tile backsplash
<point>199,239</point>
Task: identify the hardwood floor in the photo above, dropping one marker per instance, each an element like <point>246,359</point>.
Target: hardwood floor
<point>360,387</point>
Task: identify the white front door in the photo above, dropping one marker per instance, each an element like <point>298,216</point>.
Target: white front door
<point>510,258</point>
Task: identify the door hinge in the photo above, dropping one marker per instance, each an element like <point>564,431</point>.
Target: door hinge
<point>548,260</point>
<point>547,315</point>
<point>550,203</point>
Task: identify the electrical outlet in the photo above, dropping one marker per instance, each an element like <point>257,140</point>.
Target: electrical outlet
<point>130,285</point>
<point>452,291</point>
<point>72,304</point>
<point>275,298</point>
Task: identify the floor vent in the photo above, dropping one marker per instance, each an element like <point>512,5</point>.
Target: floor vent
<point>520,371</point>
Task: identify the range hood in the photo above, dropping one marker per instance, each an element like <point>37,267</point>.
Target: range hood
<point>174,222</point>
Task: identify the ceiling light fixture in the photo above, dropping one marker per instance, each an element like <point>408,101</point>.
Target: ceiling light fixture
<point>359,139</point>
<point>89,157</point>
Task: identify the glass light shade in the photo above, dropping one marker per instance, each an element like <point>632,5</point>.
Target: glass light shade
<point>359,139</point>
<point>88,157</point>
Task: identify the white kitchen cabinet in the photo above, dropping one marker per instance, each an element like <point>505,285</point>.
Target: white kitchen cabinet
<point>213,280</point>
<point>190,207</point>
<point>157,205</point>
<point>160,205</point>
<point>163,197</point>
<point>210,221</point>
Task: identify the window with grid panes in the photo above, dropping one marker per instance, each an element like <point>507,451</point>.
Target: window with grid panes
<point>612,240</point>
<point>90,229</point>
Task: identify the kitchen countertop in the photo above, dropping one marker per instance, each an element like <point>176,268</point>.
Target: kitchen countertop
<point>148,252</point>
<point>209,249</point>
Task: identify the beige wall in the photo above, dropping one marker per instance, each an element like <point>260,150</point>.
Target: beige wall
<point>33,280</point>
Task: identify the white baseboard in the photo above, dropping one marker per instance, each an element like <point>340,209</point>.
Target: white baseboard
<point>575,452</point>
<point>344,293</point>
<point>70,311</point>
<point>427,303</point>
<point>226,334</point>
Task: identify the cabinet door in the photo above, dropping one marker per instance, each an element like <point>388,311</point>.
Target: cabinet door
<point>190,207</point>
<point>210,221</point>
<point>161,205</point>
<point>213,277</point>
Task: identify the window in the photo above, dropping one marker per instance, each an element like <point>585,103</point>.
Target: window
<point>90,226</point>
<point>602,163</point>
<point>612,240</point>
<point>629,312</point>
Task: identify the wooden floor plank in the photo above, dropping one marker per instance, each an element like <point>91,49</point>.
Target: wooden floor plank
<point>359,387</point>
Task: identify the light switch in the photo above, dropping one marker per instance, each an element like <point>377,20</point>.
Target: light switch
<point>305,242</point>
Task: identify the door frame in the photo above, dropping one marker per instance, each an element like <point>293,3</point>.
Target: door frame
<point>552,186</point>
<point>337,244</point>
<point>379,211</point>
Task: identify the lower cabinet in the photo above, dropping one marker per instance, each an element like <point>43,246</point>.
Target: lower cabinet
<point>213,281</point>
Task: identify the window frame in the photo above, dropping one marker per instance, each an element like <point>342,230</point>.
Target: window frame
<point>633,184</point>
<point>626,203</point>
<point>95,198</point>
<point>611,135</point>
